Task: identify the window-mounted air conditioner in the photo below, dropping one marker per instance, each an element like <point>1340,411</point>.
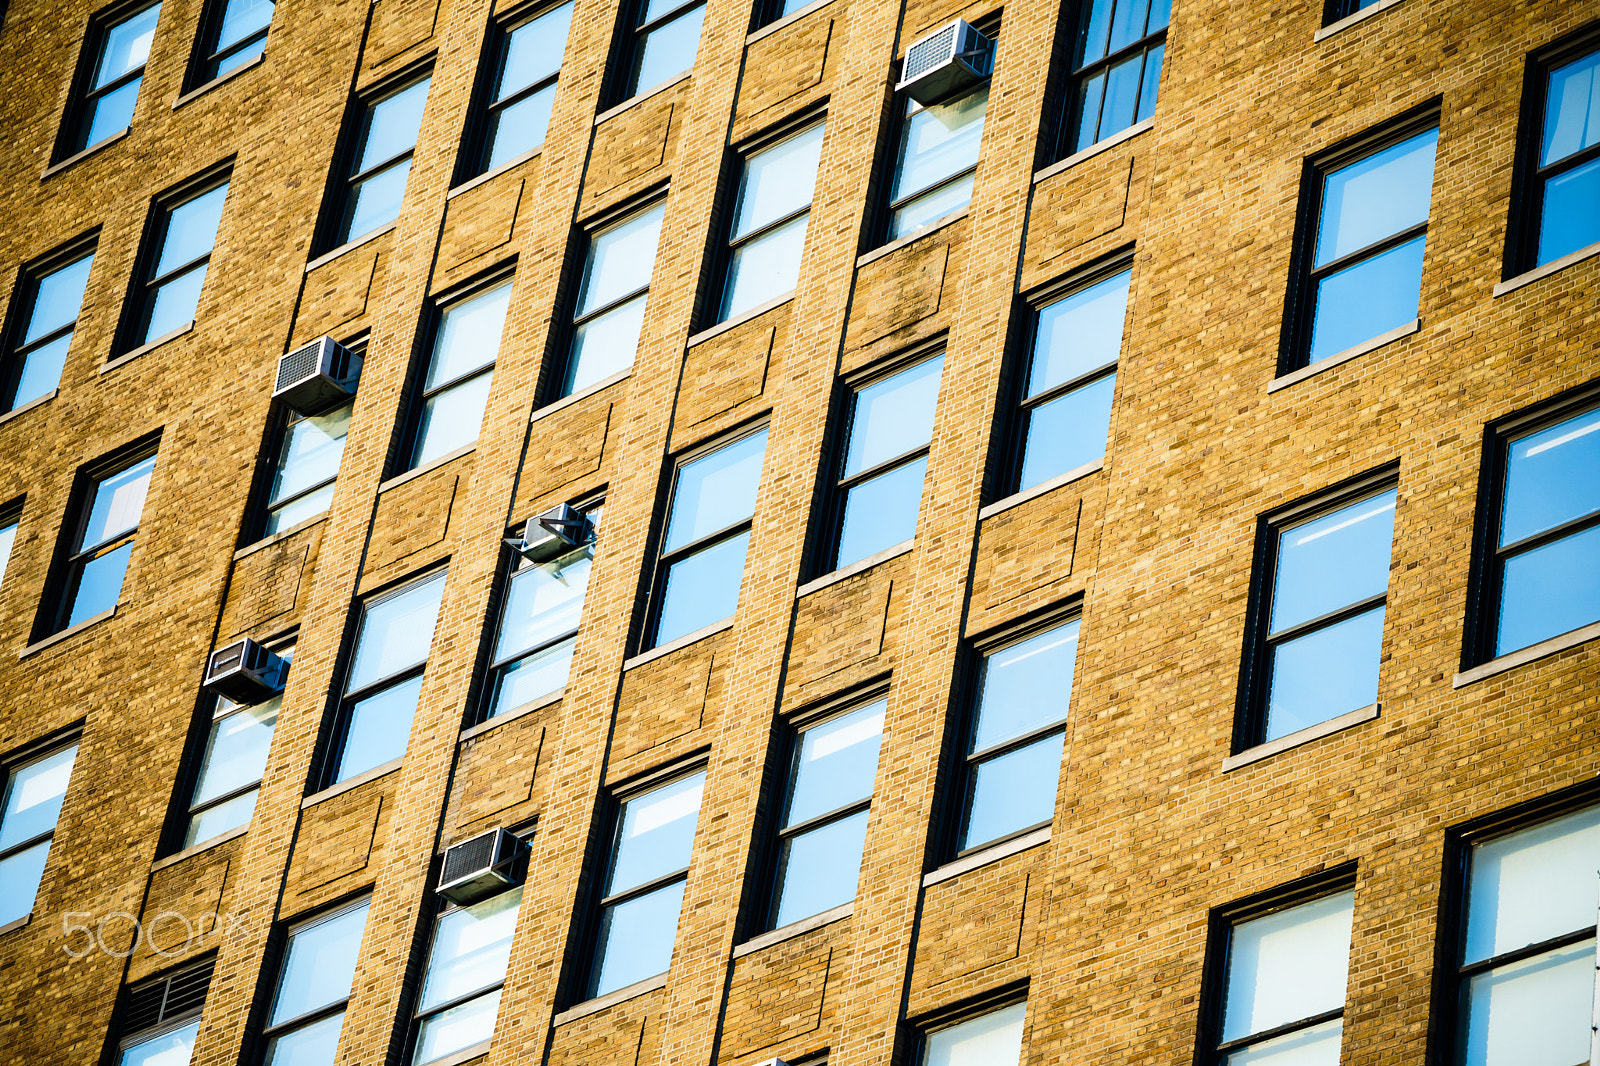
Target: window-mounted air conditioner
<point>245,672</point>
<point>317,376</point>
<point>951,58</point>
<point>553,534</point>
<point>480,866</point>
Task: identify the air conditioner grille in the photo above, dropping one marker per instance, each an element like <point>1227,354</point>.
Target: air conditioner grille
<point>298,365</point>
<point>930,53</point>
<point>468,856</point>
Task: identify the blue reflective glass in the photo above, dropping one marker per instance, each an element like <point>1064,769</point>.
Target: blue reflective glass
<point>1333,561</point>
<point>1150,83</point>
<point>1086,113</point>
<point>818,869</point>
<point>1026,686</point>
<point>939,142</point>
<point>20,873</point>
<point>1550,590</point>
<point>534,50</point>
<point>1122,97</point>
<point>1014,791</point>
<point>655,833</point>
<point>716,490</point>
<point>57,298</point>
<point>636,939</point>
<point>33,797</point>
<point>1068,432</point>
<point>836,763</point>
<point>530,678</point>
<point>520,127</point>
<point>893,416</point>
<point>881,512</point>
<point>1571,216</point>
<point>175,304</point>
<point>1552,477</point>
<point>191,230</point>
<point>542,603</point>
<point>702,588</point>
<point>110,114</point>
<point>1079,333</point>
<point>118,503</point>
<point>1366,299</point>
<point>1571,110</point>
<point>396,632</point>
<point>169,1049</point>
<point>41,370</point>
<point>376,201</point>
<point>238,59</point>
<point>319,965</point>
<point>1325,673</point>
<point>1376,197</point>
<point>1127,22</point>
<point>241,18</point>
<point>100,584</point>
<point>669,49</point>
<point>127,46</point>
<point>393,125</point>
<point>379,729</point>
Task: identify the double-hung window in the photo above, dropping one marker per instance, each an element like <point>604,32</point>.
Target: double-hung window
<point>1283,975</point>
<point>162,1016</point>
<point>466,970</point>
<point>34,789</point>
<point>1318,627</point>
<point>1560,186</point>
<point>1362,250</point>
<point>49,300</point>
<point>643,888</point>
<point>708,532</point>
<point>769,221</point>
<point>936,161</point>
<point>611,299</point>
<point>119,51</point>
<point>1018,731</point>
<point>10,519</point>
<point>178,251</point>
<point>238,741</point>
<point>990,1039</point>
<point>1527,958</point>
<point>662,44</point>
<point>878,493</point>
<point>1116,68</point>
<point>234,33</point>
<point>455,389</point>
<point>826,804</point>
<point>103,542</point>
<point>380,161</point>
<point>314,983</point>
<point>524,88</point>
<point>307,467</point>
<point>385,678</point>
<point>1072,376</point>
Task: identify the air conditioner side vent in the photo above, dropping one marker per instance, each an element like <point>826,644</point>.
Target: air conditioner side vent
<point>951,59</point>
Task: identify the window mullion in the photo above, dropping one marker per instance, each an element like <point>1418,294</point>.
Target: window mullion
<point>24,845</point>
<point>767,228</point>
<point>1279,1030</point>
<point>533,649</point>
<point>49,338</point>
<point>884,467</point>
<point>1543,537</point>
<point>372,171</point>
<point>646,888</point>
<point>1014,743</point>
<point>1111,59</point>
<point>524,92</point>
<point>895,205</point>
<point>1376,248</point>
<point>685,550</point>
<point>818,821</point>
<point>374,687</point>
<point>587,316</point>
<point>429,394</point>
<point>178,271</point>
<point>647,28</point>
<point>1055,392</point>
<point>314,1015</point>
<point>465,997</point>
<point>1349,610</point>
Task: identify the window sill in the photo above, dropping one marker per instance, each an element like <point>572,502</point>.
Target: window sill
<point>16,923</point>
<point>567,401</point>
<point>610,999</point>
<point>282,534</point>
<point>857,567</point>
<point>215,82</point>
<point>639,98</point>
<point>1523,656</point>
<point>512,715</point>
<point>915,235</point>
<point>1301,736</point>
<point>682,642</point>
<point>55,168</point>
<point>71,631</point>
<point>1093,150</point>
<point>1295,376</point>
<point>39,401</point>
<point>205,845</point>
<point>350,246</point>
<point>773,27</point>
<point>1350,20</point>
<point>127,357</point>
<point>489,175</point>
<point>466,1054</point>
<point>1552,267</point>
<point>999,851</point>
<point>1048,485</point>
<point>740,319</point>
<point>381,770</point>
<point>427,468</point>
<point>794,929</point>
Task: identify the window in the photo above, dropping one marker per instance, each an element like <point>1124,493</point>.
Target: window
<point>1363,247</point>
<point>1542,577</point>
<point>828,798</point>
<point>1019,725</point>
<point>649,863</point>
<point>708,533</point>
<point>878,493</point>
<point>524,88</point>
<point>1559,187</point>
<point>663,42</point>
<point>936,160</point>
<point>460,371</point>
<point>1319,619</point>
<point>466,969</point>
<point>48,302</point>
<point>1527,956</point>
<point>34,789</point>
<point>307,468</point>
<point>104,541</point>
<point>231,766</point>
<point>385,679</point>
<point>773,10</point>
<point>162,1016</point>
<point>1072,376</point>
<point>10,518</point>
<point>1343,9</point>
<point>380,162</point>
<point>319,967</point>
<point>1116,68</point>
<point>993,1039</point>
<point>119,50</point>
<point>611,299</point>
<point>235,33</point>
<point>178,249</point>
<point>1283,990</point>
<point>539,628</point>
<point>769,221</point>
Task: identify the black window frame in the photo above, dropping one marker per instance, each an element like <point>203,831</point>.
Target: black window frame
<point>344,180</point>
<point>24,302</point>
<point>160,986</point>
<point>968,1009</point>
<point>209,54</point>
<point>1339,10</point>
<point>271,976</point>
<point>27,755</point>
<point>1075,75</point>
<point>631,34</point>
<point>145,284</point>
<point>474,159</point>
<point>80,107</point>
<point>11,517</point>
<point>902,109</point>
<point>279,426</point>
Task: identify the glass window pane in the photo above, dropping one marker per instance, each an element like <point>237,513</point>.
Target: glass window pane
<point>542,603</point>
<point>528,679</point>
<point>621,259</point>
<point>19,881</point>
<point>168,1049</point>
<point>1571,215</point>
<point>1549,591</point>
<point>1013,791</point>
<point>939,142</point>
<point>1333,561</point>
<point>716,490</point>
<point>236,751</point>
<point>1127,22</point>
<point>534,49</point>
<point>765,268</point>
<point>241,57</point>
<point>1325,673</point>
<point>702,588</point>
<point>1096,30</point>
<point>112,113</point>
<point>605,345</point>
<point>100,584</point>
<point>991,1040</point>
<point>311,452</point>
<point>8,537</point>
<point>393,125</point>
<point>1079,333</point>
<point>1068,432</point>
<point>314,1045</point>
<point>292,514</point>
<point>930,207</point>
<point>1571,110</point>
<point>1086,115</point>
<point>33,797</point>
<point>452,418</point>
<point>1552,476</point>
<point>1287,966</point>
<point>375,202</point>
<point>836,763</point>
<point>1122,96</point>
<point>41,371</point>
<point>118,503</point>
<point>175,304</point>
<point>1376,197</point>
<point>1026,686</point>
<point>319,965</point>
<point>1535,1012</point>
<point>818,869</point>
<point>1151,82</point>
<point>127,46</point>
<point>396,632</point>
<point>1369,298</point>
<point>57,299</point>
<point>379,729</point>
<point>1316,1046</point>
<point>669,50</point>
<point>471,946</point>
<point>191,230</point>
<point>469,336</point>
<point>242,18</point>
<point>893,416</point>
<point>655,833</point>
<point>881,512</point>
<point>778,181</point>
<point>1532,885</point>
<point>519,127</point>
<point>636,938</point>
<point>214,821</point>
<point>458,1028</point>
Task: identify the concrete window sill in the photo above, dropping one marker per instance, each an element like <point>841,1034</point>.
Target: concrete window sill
<point>127,357</point>
<point>466,1054</point>
<point>1350,20</point>
<point>1093,150</point>
<point>282,534</point>
<point>1301,736</point>
<point>610,999</point>
<point>857,567</point>
<point>794,929</point>
<point>15,924</point>
<point>350,246</point>
<point>674,645</point>
<point>17,412</point>
<point>738,320</point>
<point>1048,485</point>
<point>72,160</point>
<point>634,101</point>
<point>381,770</point>
<point>201,90</point>
<point>427,468</point>
<point>490,175</point>
<point>1296,376</point>
<point>204,846</point>
<point>999,851</point>
<point>1523,656</point>
<point>66,634</point>
<point>512,715</point>
<point>915,235</point>
<point>1553,267</point>
<point>582,394</point>
<point>773,27</point>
